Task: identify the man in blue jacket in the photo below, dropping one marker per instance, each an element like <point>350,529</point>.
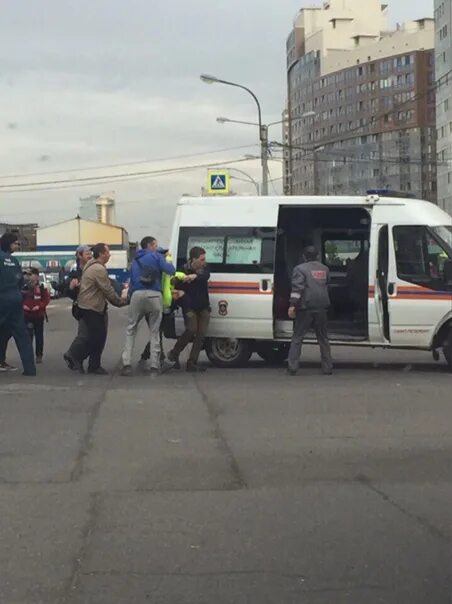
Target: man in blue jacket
<point>12,320</point>
<point>146,300</point>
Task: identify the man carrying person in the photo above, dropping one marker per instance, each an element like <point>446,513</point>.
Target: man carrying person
<point>36,298</point>
<point>192,295</point>
<point>12,321</point>
<point>309,303</point>
<point>145,290</point>
<point>95,293</point>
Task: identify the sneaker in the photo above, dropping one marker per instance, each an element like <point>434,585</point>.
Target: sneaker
<point>126,371</point>
<point>327,372</point>
<point>194,368</point>
<point>167,365</point>
<point>6,367</point>
<point>98,371</point>
<point>38,360</point>
<point>292,372</point>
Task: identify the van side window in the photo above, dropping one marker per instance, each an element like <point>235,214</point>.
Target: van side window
<point>231,249</point>
<point>420,256</point>
<point>339,253</point>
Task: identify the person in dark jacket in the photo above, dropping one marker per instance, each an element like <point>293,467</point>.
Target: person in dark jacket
<point>83,255</point>
<point>36,298</point>
<point>145,290</point>
<point>309,303</point>
<point>193,297</point>
<point>11,312</point>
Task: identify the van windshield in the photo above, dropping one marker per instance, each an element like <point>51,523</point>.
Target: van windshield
<point>444,234</point>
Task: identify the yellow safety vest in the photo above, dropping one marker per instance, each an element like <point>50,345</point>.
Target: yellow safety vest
<point>168,286</point>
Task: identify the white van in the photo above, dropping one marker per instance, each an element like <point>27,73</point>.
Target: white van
<point>390,262</point>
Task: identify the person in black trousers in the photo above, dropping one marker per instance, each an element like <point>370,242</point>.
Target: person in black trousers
<point>83,255</point>
<point>35,302</point>
<point>12,320</point>
<point>95,293</point>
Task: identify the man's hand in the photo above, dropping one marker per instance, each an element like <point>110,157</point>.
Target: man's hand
<point>292,312</point>
<point>35,308</point>
<point>178,294</point>
<point>73,284</point>
<point>190,278</point>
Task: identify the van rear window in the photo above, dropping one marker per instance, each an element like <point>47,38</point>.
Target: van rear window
<point>231,249</point>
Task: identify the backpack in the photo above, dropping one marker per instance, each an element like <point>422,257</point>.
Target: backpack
<point>148,274</point>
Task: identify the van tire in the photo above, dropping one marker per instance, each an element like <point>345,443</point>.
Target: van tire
<point>447,349</point>
<point>228,352</point>
<point>273,353</point>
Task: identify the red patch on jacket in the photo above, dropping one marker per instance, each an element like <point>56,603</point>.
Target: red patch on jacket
<point>319,275</point>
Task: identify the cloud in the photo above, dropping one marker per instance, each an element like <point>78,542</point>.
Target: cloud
<point>95,82</point>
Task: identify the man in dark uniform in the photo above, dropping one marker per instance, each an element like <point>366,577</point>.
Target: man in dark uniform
<point>309,303</point>
<point>12,320</point>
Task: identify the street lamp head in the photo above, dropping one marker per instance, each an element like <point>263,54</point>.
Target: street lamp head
<point>208,79</point>
<point>249,156</point>
<point>309,114</point>
<point>223,120</point>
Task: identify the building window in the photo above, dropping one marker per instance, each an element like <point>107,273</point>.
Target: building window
<point>446,105</point>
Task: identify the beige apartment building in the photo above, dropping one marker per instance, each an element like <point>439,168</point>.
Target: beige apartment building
<point>361,102</point>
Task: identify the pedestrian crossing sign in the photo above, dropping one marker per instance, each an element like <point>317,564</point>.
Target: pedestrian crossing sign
<point>218,182</point>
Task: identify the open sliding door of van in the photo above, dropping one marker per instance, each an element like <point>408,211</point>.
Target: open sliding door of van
<point>241,261</point>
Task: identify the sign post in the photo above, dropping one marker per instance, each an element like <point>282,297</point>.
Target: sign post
<point>218,182</point>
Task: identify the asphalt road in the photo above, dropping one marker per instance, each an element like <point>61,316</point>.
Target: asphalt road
<point>239,486</point>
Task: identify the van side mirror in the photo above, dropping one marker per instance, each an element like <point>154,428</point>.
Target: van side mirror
<point>448,271</point>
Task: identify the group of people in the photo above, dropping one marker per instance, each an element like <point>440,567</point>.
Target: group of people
<point>154,287</point>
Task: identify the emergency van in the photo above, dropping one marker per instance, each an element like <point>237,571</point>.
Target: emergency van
<point>390,261</point>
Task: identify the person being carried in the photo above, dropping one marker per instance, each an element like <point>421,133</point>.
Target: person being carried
<point>145,292</point>
<point>96,291</point>
<point>192,294</point>
<point>36,298</point>
<point>309,303</point>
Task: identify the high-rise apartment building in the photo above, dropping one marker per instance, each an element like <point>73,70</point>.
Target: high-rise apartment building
<point>443,65</point>
<point>361,102</point>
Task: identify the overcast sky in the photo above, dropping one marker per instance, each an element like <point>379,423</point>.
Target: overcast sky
<point>103,82</point>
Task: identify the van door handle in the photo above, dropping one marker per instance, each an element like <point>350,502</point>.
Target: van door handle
<point>266,285</point>
<point>391,289</point>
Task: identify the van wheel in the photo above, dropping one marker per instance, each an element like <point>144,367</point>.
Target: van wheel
<point>228,352</point>
<point>447,349</point>
<point>272,353</point>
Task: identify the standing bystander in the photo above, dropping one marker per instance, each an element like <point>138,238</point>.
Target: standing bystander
<point>12,321</point>
<point>36,298</point>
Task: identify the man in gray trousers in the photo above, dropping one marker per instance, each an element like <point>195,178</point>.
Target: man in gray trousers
<point>309,303</point>
<point>146,301</point>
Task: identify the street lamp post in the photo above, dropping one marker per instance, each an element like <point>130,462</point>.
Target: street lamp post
<point>263,130</point>
<point>308,114</point>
